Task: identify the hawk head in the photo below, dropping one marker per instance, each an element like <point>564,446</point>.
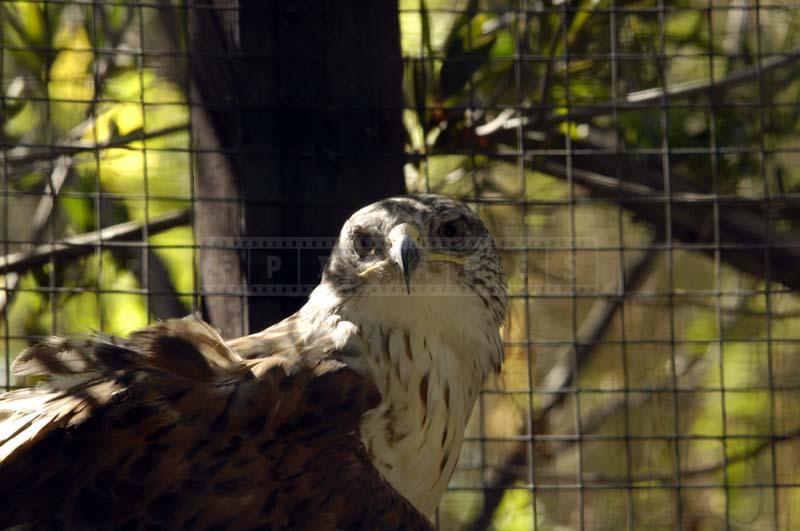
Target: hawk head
<point>418,246</point>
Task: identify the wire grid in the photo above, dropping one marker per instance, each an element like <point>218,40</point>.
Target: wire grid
<point>635,160</point>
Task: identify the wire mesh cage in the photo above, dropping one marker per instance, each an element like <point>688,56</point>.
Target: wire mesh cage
<point>636,161</point>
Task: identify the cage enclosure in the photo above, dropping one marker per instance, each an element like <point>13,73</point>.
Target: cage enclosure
<point>637,162</point>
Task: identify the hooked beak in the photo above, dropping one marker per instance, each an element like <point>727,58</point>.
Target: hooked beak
<point>405,251</point>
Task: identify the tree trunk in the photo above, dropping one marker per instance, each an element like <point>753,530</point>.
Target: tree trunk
<point>300,124</point>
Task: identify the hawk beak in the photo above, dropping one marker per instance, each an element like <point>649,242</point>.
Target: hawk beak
<point>404,250</point>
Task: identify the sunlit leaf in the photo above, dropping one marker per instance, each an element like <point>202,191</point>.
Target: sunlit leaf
<point>515,512</point>
<point>71,86</point>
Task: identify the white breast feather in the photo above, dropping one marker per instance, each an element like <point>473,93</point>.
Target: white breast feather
<point>453,349</point>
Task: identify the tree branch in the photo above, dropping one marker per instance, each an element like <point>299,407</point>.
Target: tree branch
<point>591,332</point>
<point>41,216</point>
<point>744,237</point>
<point>29,154</point>
<point>725,310</point>
<point>687,89</point>
<point>624,482</point>
<point>639,99</point>
<point>86,243</point>
<point>510,471</point>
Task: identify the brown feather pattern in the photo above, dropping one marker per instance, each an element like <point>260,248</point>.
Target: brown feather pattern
<point>173,429</point>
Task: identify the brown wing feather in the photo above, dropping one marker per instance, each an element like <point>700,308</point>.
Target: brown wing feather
<point>172,429</point>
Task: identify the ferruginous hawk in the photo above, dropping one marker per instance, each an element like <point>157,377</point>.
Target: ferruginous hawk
<point>347,415</point>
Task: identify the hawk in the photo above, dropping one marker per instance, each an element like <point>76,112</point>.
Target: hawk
<point>349,414</point>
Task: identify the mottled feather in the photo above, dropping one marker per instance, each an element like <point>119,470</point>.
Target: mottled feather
<point>173,429</point>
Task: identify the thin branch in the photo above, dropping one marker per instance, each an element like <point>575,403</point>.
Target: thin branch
<point>544,93</point>
<point>87,243</point>
<point>693,88</point>
<point>746,234</point>
<point>680,90</point>
<point>591,332</point>
<point>59,173</point>
<point>598,417</point>
<point>41,216</point>
<point>725,310</point>
<point>742,232</point>
<point>23,154</point>
<point>642,98</point>
<point>693,472</point>
<point>515,463</point>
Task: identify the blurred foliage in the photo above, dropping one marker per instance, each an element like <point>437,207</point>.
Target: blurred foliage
<point>70,78</point>
<point>660,392</point>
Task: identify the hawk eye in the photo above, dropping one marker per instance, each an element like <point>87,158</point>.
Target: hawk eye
<point>365,243</point>
<point>451,232</point>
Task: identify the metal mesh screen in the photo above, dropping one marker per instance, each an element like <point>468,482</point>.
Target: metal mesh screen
<point>636,160</point>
